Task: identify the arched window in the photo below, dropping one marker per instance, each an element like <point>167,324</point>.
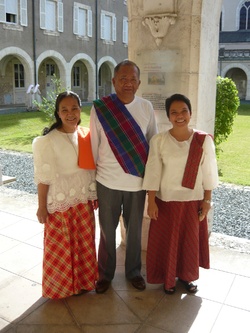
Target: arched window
<point>245,16</point>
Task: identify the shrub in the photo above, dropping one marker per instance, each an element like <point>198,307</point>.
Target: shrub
<point>47,105</point>
<point>227,103</point>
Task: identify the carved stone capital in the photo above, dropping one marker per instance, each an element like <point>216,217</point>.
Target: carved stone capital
<point>159,24</point>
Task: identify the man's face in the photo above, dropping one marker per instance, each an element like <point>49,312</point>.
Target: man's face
<point>126,82</point>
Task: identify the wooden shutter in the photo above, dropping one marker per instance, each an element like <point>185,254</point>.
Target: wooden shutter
<point>89,28</point>
<point>23,11</point>
<point>60,16</point>
<point>43,14</point>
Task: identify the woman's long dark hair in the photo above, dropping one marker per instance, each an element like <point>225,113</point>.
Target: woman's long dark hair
<point>58,121</point>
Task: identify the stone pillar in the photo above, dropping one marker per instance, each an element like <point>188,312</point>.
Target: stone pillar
<point>175,44</point>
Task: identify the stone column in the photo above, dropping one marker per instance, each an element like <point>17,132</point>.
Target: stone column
<point>175,44</point>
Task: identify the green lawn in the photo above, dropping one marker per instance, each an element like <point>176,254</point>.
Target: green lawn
<point>234,161</point>
<point>18,130</point>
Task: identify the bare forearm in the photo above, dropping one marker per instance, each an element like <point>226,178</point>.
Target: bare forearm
<point>42,212</point>
<point>42,191</point>
<point>205,204</point>
<point>152,207</point>
<point>207,195</point>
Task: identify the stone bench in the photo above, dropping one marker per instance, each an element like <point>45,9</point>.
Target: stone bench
<point>7,180</point>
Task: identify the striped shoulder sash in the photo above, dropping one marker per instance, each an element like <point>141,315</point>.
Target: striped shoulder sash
<point>124,135</point>
<point>193,160</point>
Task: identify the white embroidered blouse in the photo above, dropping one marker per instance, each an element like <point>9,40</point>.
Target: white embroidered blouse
<point>56,164</point>
<point>166,164</point>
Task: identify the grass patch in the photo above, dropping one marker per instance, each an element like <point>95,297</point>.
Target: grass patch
<point>234,160</point>
<point>18,131</point>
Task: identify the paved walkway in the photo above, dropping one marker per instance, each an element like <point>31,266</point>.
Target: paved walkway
<point>8,109</point>
<point>222,303</point>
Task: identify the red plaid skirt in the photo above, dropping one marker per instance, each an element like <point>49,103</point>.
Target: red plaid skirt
<point>69,263</point>
<point>177,243</point>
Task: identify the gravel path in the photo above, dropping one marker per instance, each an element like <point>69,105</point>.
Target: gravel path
<point>231,202</point>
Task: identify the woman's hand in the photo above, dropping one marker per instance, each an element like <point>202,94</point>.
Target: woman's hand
<point>152,207</point>
<point>153,211</point>
<point>95,204</point>
<point>42,214</point>
<point>205,206</point>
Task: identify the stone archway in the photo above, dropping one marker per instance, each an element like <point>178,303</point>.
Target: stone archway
<point>240,79</point>
<point>105,80</point>
<point>178,40</point>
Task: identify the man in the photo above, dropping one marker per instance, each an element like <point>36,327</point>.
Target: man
<point>121,126</point>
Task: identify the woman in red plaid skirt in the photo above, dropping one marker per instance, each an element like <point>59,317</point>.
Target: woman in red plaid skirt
<point>65,176</point>
<point>180,174</point>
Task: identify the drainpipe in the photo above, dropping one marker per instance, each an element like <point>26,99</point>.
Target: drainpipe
<point>34,41</point>
<point>96,47</point>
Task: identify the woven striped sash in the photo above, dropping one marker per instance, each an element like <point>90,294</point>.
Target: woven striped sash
<point>193,160</point>
<point>124,135</point>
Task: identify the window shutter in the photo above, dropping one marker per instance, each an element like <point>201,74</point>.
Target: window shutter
<point>2,11</point>
<point>75,21</point>
<point>43,14</point>
<point>12,7</point>
<point>89,23</point>
<point>60,16</point>
<point>23,11</point>
<point>102,26</point>
<point>125,31</point>
<point>114,28</point>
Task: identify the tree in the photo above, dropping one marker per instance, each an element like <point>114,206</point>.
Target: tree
<point>48,103</point>
<point>227,103</point>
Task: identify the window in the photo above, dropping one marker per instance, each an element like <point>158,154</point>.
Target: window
<point>19,75</point>
<point>14,12</point>
<point>108,26</point>
<point>76,76</point>
<point>50,69</point>
<point>11,11</point>
<point>51,15</point>
<point>245,16</point>
<point>125,30</point>
<point>82,23</point>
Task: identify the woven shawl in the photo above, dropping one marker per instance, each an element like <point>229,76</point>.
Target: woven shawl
<point>193,160</point>
<point>85,156</point>
<point>124,135</point>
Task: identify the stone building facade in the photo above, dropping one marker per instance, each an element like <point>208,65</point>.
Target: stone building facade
<point>78,41</point>
<point>234,45</point>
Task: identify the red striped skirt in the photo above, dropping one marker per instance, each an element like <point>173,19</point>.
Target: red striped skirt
<point>177,243</point>
<point>69,263</point>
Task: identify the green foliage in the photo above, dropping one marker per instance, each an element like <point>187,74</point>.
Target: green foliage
<point>227,103</point>
<point>234,162</point>
<point>19,129</point>
<point>47,106</point>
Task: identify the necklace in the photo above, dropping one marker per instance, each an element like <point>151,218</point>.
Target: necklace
<point>74,145</point>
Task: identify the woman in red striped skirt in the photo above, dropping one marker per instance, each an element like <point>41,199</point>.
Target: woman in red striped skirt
<point>181,173</point>
<point>65,176</point>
